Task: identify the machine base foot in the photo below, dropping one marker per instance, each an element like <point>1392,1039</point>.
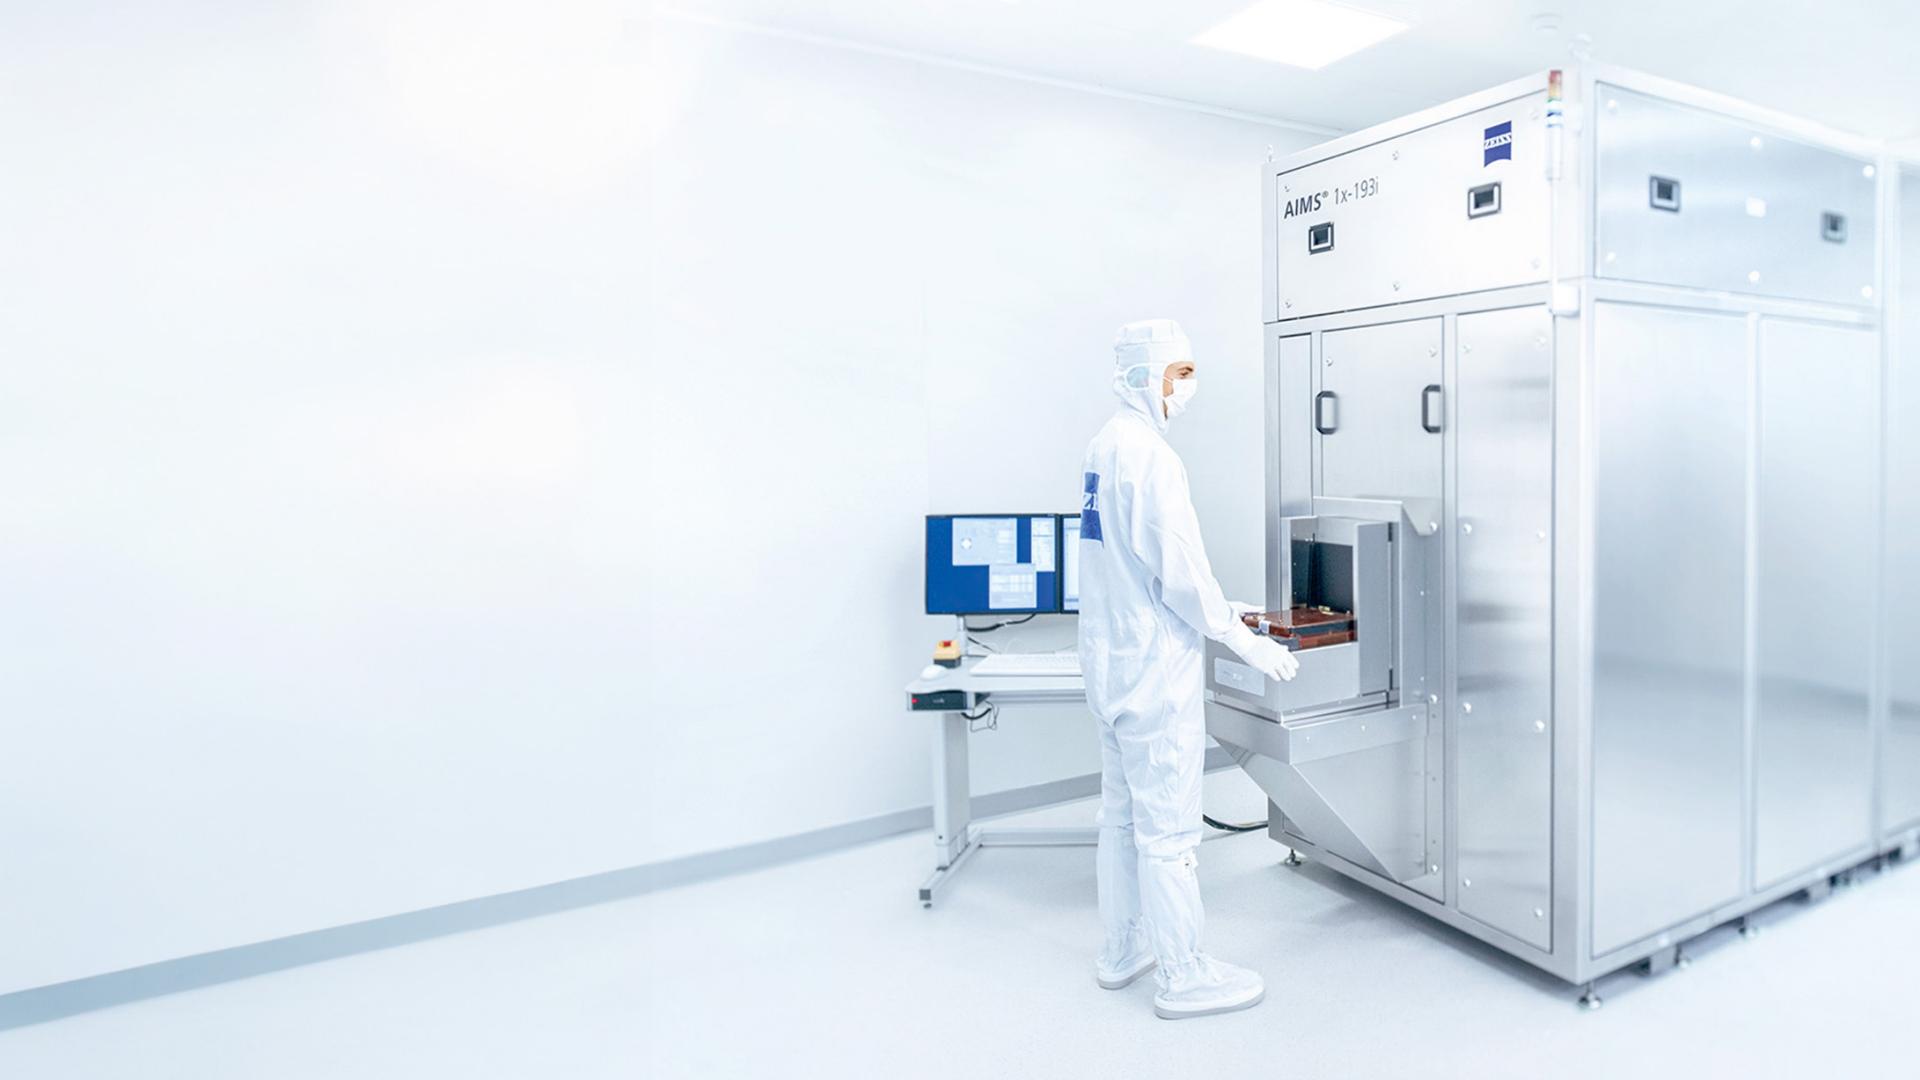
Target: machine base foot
<point>1591,999</point>
<point>1293,858</point>
<point>1749,929</point>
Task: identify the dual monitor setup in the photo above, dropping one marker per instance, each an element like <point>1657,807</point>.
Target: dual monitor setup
<point>1003,564</point>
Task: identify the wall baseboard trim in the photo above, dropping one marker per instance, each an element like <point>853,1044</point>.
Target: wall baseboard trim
<point>37,1005</point>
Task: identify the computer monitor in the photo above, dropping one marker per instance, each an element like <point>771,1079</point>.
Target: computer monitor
<point>1070,562</point>
<point>993,564</point>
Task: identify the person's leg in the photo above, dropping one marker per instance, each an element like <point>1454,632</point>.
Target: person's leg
<point>1126,954</point>
<point>1164,757</point>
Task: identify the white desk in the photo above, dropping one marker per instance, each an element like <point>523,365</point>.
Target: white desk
<point>955,836</point>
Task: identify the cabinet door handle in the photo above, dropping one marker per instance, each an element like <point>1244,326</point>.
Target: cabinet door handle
<point>1326,412</point>
<point>1432,408</point>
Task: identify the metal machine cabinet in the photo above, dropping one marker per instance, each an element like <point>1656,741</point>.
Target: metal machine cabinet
<point>1504,495</point>
<point>1670,399</point>
<point>1377,416</point>
<point>1686,196</point>
<point>1900,783</point>
<point>1577,400</point>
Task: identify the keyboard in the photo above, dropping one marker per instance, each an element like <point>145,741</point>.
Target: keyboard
<point>1060,665</point>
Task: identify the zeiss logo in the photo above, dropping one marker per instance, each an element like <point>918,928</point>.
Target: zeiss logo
<point>1497,144</point>
<point>1090,509</point>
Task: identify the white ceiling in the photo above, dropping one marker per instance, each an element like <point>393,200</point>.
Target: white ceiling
<point>1847,63</point>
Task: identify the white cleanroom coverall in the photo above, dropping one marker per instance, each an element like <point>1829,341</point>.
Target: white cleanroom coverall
<point>1148,600</point>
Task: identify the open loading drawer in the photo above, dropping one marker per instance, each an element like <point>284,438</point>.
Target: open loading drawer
<point>1341,575</point>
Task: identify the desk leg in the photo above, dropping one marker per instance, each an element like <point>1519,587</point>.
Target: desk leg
<point>952,790</point>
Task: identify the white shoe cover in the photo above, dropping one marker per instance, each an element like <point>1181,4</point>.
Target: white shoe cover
<point>1205,986</point>
<point>1120,965</point>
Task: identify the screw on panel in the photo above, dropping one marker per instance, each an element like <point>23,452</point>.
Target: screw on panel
<point>1539,725</point>
<point>1396,286</point>
<point>1467,527</point>
<point>1467,707</point>
<point>1539,913</point>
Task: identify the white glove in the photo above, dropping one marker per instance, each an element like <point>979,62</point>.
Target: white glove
<point>1270,658</point>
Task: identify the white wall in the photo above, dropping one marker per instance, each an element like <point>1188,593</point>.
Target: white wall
<point>449,448</point>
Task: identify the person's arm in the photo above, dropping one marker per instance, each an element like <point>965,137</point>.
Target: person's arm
<point>1166,538</point>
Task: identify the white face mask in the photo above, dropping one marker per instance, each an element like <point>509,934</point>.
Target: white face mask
<point>1182,396</point>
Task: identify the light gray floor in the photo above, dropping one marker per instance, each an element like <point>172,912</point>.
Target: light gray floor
<point>829,968</point>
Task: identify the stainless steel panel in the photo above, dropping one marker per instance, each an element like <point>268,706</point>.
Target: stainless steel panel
<point>1295,463</point>
<point>1306,740</point>
<point>1398,210</point>
<point>1670,412</point>
<point>1504,712</point>
<point>1381,447</point>
<point>1818,508</point>
<point>1328,677</point>
<point>1900,751</point>
<point>1370,587</point>
<point>1352,783</point>
<point>1750,204</point>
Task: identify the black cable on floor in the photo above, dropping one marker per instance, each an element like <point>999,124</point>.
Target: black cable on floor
<point>1253,826</point>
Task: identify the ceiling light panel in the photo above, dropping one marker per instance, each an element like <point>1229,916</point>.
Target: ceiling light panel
<point>1306,34</point>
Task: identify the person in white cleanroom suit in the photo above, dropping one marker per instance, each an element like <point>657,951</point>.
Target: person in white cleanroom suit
<point>1148,598</point>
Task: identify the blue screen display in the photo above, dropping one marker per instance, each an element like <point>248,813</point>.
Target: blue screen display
<point>993,564</point>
